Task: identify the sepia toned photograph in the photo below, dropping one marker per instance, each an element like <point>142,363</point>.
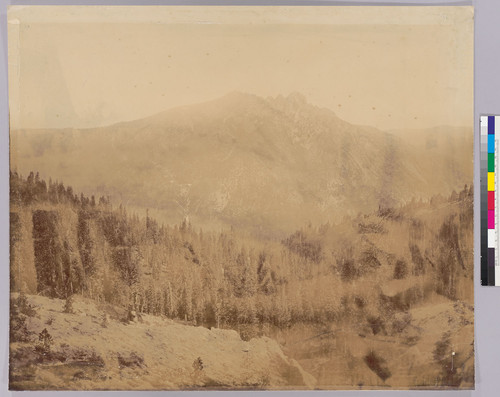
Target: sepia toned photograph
<point>241,198</point>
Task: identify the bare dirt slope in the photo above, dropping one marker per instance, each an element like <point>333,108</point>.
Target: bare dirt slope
<point>94,348</point>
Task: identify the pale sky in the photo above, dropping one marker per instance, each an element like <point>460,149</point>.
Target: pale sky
<point>84,71</point>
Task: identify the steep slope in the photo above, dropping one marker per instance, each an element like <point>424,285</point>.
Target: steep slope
<point>267,165</point>
<point>416,350</point>
<point>96,348</point>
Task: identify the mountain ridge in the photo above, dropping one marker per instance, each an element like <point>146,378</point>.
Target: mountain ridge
<point>241,160</point>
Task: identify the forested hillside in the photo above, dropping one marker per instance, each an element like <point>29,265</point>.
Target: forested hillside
<point>400,274</point>
<point>63,243</point>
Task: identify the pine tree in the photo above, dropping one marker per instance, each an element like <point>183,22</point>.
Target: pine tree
<point>68,306</point>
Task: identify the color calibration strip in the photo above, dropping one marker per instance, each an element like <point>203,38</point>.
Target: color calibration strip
<point>490,275</point>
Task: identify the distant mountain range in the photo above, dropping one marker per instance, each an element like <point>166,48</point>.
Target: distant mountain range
<point>267,165</point>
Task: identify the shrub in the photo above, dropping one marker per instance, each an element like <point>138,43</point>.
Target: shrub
<point>402,301</point>
<point>377,365</point>
<point>24,307</point>
<point>45,341</point>
<point>376,324</point>
<point>389,213</point>
<point>400,269</point>
<point>133,360</point>
<point>348,271</point>
<point>416,229</point>
<point>18,331</point>
<point>80,375</point>
<point>197,374</point>
<point>366,228</point>
<point>411,340</point>
<point>370,259</point>
<point>198,364</point>
<point>131,315</point>
<point>23,357</point>
<point>89,357</point>
<point>401,322</point>
<point>442,347</point>
<point>417,259</point>
<point>360,302</point>
<point>105,320</point>
<point>444,357</point>
<point>306,247</point>
<point>68,306</point>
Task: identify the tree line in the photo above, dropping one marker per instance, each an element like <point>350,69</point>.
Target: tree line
<point>64,244</point>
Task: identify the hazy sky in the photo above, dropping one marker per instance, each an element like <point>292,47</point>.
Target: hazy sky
<point>83,69</point>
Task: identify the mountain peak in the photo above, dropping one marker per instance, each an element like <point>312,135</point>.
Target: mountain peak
<point>296,103</point>
<point>234,95</point>
<point>297,98</point>
<point>236,100</point>
<point>294,99</point>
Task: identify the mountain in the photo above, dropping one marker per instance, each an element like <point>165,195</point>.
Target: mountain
<point>267,165</point>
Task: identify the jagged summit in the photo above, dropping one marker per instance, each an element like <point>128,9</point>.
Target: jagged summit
<point>294,99</point>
